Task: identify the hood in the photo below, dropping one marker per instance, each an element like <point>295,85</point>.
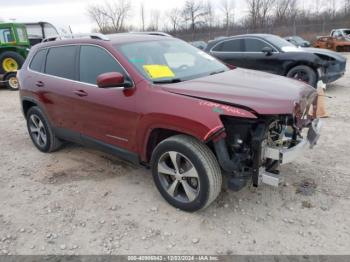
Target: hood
<point>264,93</point>
<point>326,52</point>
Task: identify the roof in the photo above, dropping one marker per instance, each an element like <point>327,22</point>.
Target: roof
<point>10,24</point>
<point>133,37</point>
<point>113,39</point>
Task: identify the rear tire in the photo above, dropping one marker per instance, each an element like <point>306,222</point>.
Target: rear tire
<point>194,181</point>
<point>11,81</point>
<point>305,74</point>
<point>6,66</point>
<point>40,131</point>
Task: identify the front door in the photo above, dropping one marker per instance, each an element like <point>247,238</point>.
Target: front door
<point>256,59</point>
<point>107,115</point>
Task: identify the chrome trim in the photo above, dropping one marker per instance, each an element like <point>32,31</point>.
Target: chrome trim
<point>118,138</point>
<point>226,40</point>
<point>71,80</point>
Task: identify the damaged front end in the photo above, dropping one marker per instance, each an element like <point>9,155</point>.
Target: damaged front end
<point>255,148</point>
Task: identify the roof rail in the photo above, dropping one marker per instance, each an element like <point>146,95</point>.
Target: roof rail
<point>99,36</point>
<point>96,36</point>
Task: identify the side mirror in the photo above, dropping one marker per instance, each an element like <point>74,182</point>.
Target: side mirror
<point>112,79</point>
<point>267,50</point>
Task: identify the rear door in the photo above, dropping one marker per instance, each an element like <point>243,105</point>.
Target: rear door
<point>53,83</point>
<point>230,52</point>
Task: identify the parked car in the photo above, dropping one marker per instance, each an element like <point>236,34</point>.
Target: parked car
<point>162,103</point>
<point>341,34</point>
<point>332,43</point>
<point>38,31</point>
<point>273,54</point>
<point>298,41</point>
<point>199,44</point>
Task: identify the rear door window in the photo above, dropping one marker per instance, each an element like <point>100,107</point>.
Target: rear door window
<point>38,61</point>
<point>60,62</point>
<point>229,46</point>
<point>95,61</point>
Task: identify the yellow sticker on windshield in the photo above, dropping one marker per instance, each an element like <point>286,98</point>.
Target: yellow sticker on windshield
<point>158,71</point>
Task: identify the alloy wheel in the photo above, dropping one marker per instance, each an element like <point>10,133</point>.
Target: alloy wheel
<point>302,76</point>
<point>37,131</point>
<point>178,176</point>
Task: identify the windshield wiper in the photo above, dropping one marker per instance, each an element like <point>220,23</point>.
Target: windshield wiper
<point>217,72</point>
<point>168,81</point>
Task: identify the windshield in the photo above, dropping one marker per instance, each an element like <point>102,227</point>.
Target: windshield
<point>170,60</point>
<point>347,32</point>
<point>282,44</point>
<point>298,39</point>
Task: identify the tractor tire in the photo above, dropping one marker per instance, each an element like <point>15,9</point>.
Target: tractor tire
<point>10,61</point>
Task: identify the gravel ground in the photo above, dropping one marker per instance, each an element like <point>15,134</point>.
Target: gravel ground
<point>80,201</point>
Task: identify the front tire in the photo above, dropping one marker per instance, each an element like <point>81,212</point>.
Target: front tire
<point>41,132</point>
<point>305,74</point>
<point>186,173</point>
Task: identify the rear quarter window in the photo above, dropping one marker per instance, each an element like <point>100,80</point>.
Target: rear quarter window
<point>60,62</point>
<point>38,61</point>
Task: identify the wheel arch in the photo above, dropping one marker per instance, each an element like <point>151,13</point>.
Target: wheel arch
<point>305,63</point>
<point>301,63</point>
<point>157,135</point>
<point>27,103</point>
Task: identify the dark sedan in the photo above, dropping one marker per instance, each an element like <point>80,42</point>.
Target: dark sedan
<point>275,55</point>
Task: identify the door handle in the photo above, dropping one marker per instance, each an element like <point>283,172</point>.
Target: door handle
<point>80,93</point>
<point>40,84</point>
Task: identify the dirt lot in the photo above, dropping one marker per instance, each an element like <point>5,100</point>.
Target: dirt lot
<point>80,201</point>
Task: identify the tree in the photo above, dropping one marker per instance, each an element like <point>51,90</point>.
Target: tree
<point>142,9</point>
<point>96,14</point>
<point>227,7</point>
<point>110,16</point>
<point>193,12</point>
<point>259,12</point>
<point>174,16</point>
<point>347,6</point>
<point>285,11</point>
<point>154,24</point>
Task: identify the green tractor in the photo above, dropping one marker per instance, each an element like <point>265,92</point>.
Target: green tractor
<point>14,48</point>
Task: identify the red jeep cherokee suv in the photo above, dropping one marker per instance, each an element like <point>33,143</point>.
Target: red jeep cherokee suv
<point>162,103</point>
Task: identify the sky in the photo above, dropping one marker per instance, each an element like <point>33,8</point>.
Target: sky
<point>64,13</point>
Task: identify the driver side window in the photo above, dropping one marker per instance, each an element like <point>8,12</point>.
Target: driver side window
<point>255,45</point>
<point>95,61</point>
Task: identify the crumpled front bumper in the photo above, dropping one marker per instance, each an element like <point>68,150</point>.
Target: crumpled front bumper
<point>288,155</point>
